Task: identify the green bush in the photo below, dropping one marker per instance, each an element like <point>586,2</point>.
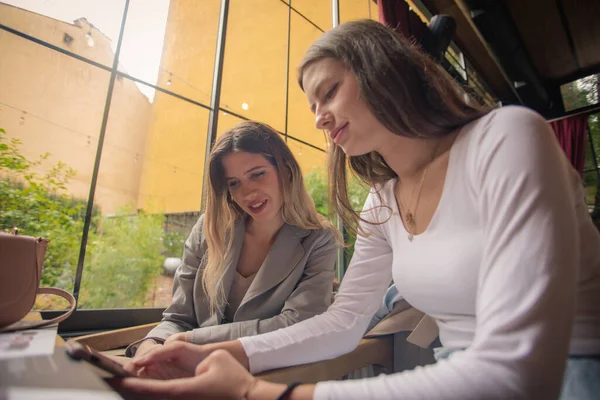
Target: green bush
<point>317,186</point>
<point>122,259</point>
<point>39,206</point>
<point>124,253</point>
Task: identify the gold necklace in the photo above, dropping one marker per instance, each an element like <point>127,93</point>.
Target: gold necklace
<point>405,213</point>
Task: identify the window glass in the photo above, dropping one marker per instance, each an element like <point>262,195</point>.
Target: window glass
<point>172,44</point>
<point>316,12</point>
<point>308,157</point>
<point>301,121</point>
<point>226,122</point>
<point>87,28</point>
<point>254,69</point>
<point>51,108</point>
<point>148,196</point>
<point>357,9</point>
<point>590,169</point>
<point>580,93</point>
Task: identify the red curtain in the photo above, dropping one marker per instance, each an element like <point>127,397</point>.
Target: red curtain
<point>571,133</point>
<point>395,14</point>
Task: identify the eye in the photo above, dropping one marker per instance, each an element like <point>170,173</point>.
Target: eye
<point>258,175</point>
<point>331,92</point>
<point>233,184</point>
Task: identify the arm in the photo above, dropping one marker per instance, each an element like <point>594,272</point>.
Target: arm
<point>180,315</point>
<point>312,296</point>
<point>341,327</point>
<point>526,284</point>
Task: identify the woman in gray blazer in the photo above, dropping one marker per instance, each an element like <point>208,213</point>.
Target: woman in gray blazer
<point>260,258</point>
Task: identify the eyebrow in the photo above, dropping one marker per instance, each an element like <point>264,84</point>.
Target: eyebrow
<point>247,172</point>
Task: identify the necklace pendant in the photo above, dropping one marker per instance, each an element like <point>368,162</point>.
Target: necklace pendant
<point>410,237</point>
<point>410,220</point>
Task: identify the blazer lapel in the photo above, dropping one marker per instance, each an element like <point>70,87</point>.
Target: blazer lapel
<point>286,252</point>
<point>231,261</point>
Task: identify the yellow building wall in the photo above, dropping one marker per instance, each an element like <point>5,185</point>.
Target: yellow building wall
<point>174,164</point>
<point>253,86</point>
<point>154,153</point>
<point>54,103</point>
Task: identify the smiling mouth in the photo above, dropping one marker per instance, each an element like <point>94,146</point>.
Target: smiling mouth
<point>336,133</point>
<point>255,208</point>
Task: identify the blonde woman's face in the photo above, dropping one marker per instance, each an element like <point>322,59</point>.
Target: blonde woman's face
<point>253,183</point>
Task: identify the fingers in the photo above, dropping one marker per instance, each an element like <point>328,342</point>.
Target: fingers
<point>176,337</point>
<point>132,369</point>
<point>148,388</point>
<point>146,347</point>
<point>163,353</point>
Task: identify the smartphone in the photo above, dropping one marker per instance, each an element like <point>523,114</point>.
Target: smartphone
<point>80,351</point>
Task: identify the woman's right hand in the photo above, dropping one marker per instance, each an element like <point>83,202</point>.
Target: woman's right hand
<point>172,360</point>
<point>179,359</point>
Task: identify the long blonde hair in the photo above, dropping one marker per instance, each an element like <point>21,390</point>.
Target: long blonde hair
<point>222,213</point>
<point>405,89</point>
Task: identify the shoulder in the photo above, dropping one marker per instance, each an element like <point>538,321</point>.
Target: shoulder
<point>509,123</point>
<point>314,238</point>
<point>515,136</point>
<point>314,235</point>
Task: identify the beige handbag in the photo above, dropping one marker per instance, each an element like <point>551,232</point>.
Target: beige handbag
<point>21,259</point>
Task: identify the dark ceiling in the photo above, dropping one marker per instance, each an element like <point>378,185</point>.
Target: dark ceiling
<point>525,49</point>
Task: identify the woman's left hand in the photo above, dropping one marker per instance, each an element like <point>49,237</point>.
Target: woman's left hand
<point>218,376</point>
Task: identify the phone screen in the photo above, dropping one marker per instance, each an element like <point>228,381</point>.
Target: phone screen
<point>79,351</point>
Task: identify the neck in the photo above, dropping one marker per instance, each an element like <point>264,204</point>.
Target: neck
<point>265,230</point>
<point>408,157</point>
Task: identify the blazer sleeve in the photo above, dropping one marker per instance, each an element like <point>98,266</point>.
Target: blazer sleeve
<point>312,296</point>
<point>180,316</point>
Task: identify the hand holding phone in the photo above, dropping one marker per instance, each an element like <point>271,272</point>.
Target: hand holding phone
<point>79,351</point>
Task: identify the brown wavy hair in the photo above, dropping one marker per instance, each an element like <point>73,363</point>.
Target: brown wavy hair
<point>407,91</point>
<point>222,213</point>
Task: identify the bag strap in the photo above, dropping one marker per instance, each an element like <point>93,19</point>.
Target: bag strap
<point>30,324</point>
<point>65,295</point>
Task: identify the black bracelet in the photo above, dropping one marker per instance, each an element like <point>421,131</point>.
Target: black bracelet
<point>288,390</point>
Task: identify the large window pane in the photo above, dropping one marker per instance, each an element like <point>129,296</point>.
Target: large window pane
<point>254,70</point>
<point>226,122</point>
<point>590,174</point>
<point>151,173</point>
<point>317,12</point>
<point>87,28</point>
<point>50,104</point>
<point>301,121</point>
<point>581,93</point>
<point>358,9</point>
<point>309,158</point>
<point>172,44</point>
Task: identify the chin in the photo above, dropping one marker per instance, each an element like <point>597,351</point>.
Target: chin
<point>355,151</point>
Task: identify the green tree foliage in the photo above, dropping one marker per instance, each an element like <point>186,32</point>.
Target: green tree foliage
<point>124,252</point>
<point>39,206</point>
<point>581,93</point>
<point>316,184</point>
<point>123,257</point>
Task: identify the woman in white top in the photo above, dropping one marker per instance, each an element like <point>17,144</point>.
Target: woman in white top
<point>476,215</point>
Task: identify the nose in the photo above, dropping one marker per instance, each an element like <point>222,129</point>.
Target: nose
<point>249,191</point>
<point>324,120</point>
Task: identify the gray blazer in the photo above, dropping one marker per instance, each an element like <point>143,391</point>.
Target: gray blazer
<point>295,282</point>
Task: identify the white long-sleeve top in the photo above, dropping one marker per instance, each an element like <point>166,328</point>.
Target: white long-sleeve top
<point>509,251</point>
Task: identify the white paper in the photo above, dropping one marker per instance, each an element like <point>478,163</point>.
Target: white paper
<point>27,343</point>
<point>22,393</point>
